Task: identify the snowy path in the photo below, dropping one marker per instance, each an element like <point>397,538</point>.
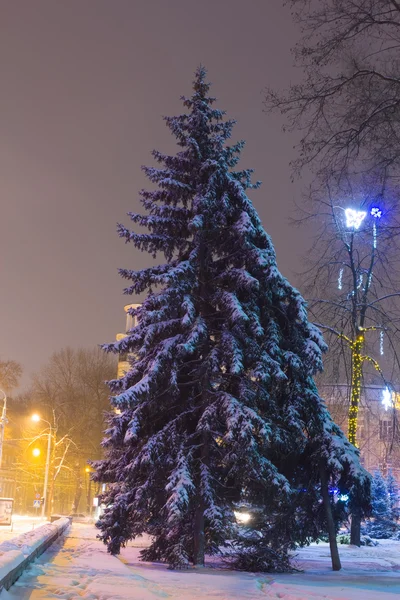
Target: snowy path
<point>77,566</point>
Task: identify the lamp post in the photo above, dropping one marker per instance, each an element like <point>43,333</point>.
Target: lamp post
<point>3,423</point>
<point>36,418</point>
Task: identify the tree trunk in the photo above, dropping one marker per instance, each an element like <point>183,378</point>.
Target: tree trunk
<point>198,528</point>
<point>50,501</point>
<point>336,566</point>
<point>78,490</point>
<point>356,368</point>
<point>198,537</point>
<point>355,528</point>
<point>89,497</point>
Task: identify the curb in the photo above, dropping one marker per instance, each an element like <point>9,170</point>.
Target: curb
<point>18,562</point>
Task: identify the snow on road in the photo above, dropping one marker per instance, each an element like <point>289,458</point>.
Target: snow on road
<point>78,566</point>
<point>21,524</point>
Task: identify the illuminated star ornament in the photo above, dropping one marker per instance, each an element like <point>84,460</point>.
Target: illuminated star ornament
<point>354,218</point>
<point>387,398</point>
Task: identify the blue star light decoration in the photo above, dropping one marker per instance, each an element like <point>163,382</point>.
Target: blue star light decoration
<point>376,212</point>
<point>354,218</point>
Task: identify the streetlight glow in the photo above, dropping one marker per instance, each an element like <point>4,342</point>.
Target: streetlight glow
<point>242,517</point>
<point>36,452</point>
<point>35,418</point>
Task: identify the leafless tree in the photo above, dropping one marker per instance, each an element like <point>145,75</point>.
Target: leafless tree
<point>347,106</point>
<point>73,383</point>
<point>73,387</point>
<point>10,374</point>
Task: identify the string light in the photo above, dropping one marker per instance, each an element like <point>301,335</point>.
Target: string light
<point>360,281</point>
<point>340,285</point>
<point>356,348</point>
<point>381,343</point>
<point>374,233</point>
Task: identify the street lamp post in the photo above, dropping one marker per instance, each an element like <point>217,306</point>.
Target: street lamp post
<point>3,423</point>
<point>37,418</point>
<point>88,491</point>
<point>46,474</point>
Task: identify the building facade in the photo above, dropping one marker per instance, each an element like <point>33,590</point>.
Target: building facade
<point>123,359</point>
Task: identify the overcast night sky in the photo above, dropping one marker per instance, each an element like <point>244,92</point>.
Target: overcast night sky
<point>84,85</point>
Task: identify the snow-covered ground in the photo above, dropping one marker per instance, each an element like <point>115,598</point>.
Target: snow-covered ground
<point>20,524</point>
<point>77,566</point>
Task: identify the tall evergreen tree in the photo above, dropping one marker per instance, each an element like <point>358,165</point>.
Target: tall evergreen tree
<point>220,405</point>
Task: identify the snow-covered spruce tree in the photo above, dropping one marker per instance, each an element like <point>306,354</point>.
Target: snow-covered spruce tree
<point>219,406</point>
<point>379,497</point>
<point>393,493</point>
<point>382,525</point>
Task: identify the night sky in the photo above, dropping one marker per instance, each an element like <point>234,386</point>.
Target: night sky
<point>84,84</point>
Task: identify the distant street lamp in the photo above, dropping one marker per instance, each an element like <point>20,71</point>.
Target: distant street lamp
<point>3,423</point>
<point>36,418</point>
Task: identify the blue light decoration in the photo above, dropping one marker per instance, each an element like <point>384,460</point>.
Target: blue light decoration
<point>338,495</point>
<point>354,218</point>
<point>376,212</point>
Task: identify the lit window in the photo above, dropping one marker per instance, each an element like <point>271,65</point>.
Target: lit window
<point>385,430</point>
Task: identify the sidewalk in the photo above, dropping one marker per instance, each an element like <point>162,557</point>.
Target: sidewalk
<point>78,566</point>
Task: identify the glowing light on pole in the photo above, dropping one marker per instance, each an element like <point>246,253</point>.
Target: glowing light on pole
<point>376,212</point>
<point>387,398</point>
<point>36,419</point>
<point>354,218</point>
